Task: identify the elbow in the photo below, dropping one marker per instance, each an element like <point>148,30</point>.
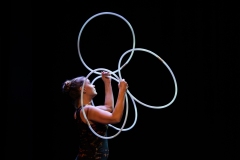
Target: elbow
<point>109,109</point>
<point>116,120</point>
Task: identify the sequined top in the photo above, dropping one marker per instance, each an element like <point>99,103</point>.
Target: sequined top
<point>91,147</point>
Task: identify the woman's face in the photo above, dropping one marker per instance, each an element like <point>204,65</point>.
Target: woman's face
<point>89,88</point>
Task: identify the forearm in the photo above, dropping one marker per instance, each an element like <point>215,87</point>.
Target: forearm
<point>119,107</point>
<point>108,95</point>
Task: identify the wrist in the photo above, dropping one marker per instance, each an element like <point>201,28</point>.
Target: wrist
<point>107,82</point>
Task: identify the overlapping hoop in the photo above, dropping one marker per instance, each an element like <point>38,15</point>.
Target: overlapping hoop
<point>96,15</point>
<point>117,78</point>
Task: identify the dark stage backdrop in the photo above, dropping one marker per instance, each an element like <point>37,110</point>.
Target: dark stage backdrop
<point>199,42</point>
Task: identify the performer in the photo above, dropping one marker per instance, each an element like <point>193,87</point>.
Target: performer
<point>91,147</point>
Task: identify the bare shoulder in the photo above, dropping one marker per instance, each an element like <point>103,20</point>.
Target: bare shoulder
<point>86,111</point>
<point>97,114</point>
<point>89,109</point>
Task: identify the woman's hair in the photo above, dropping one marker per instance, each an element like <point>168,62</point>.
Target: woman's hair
<point>72,86</point>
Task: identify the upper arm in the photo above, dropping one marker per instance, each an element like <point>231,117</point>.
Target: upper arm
<point>101,116</point>
<point>105,108</point>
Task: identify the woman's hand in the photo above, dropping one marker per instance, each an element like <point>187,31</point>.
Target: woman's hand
<point>106,77</point>
<point>123,85</point>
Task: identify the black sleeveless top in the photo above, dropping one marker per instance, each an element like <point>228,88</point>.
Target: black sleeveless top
<point>91,147</point>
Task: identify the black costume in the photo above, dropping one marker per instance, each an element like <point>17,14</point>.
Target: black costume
<point>91,147</point>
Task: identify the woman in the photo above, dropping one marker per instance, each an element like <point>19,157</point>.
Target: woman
<point>92,147</point>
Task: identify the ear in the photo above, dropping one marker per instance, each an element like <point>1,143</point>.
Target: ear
<point>84,91</point>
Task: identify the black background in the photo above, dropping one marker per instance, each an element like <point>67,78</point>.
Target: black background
<point>199,42</point>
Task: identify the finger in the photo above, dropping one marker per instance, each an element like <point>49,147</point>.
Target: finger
<point>105,73</point>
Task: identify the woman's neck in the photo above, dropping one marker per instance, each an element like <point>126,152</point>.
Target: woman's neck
<point>85,102</point>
